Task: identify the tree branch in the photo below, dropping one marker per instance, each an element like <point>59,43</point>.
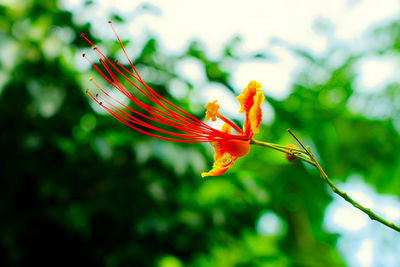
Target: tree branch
<point>308,157</point>
<point>344,195</point>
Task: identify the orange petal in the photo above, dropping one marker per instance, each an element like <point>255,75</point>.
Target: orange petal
<point>250,101</point>
<point>226,128</point>
<point>220,166</point>
<point>246,98</point>
<point>226,152</point>
<point>255,113</point>
<point>219,147</point>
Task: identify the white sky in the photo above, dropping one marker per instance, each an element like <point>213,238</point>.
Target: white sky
<point>177,22</point>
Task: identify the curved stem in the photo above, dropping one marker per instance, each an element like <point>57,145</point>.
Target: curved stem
<point>308,157</point>
<point>344,195</point>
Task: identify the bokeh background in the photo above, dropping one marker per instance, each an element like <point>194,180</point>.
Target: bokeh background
<point>77,187</point>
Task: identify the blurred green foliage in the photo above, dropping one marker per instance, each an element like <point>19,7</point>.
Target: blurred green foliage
<point>79,188</point>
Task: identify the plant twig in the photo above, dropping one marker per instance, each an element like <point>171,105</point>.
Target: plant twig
<point>344,195</point>
<point>303,155</point>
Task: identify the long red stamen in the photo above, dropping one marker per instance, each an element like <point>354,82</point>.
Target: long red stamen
<point>119,118</point>
<point>234,126</point>
<point>168,114</point>
<point>155,95</point>
<point>146,107</point>
<point>157,118</point>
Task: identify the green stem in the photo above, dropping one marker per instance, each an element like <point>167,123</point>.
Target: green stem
<point>292,149</point>
<point>344,195</point>
<point>284,150</point>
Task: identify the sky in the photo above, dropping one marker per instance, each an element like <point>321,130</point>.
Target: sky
<point>314,25</point>
<point>177,22</point>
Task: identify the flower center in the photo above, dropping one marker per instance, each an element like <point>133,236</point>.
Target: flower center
<point>237,148</point>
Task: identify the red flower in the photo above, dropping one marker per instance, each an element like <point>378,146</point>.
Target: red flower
<point>162,119</point>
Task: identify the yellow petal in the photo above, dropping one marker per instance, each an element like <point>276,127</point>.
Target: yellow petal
<point>255,113</point>
<point>218,152</point>
<point>222,160</point>
<point>220,166</point>
<point>212,110</point>
<point>219,148</point>
<point>246,98</point>
<point>226,128</point>
<point>250,101</point>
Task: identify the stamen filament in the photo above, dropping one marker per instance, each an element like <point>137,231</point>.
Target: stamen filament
<point>230,123</point>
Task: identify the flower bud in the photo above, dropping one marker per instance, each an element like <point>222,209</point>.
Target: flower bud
<point>290,157</point>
